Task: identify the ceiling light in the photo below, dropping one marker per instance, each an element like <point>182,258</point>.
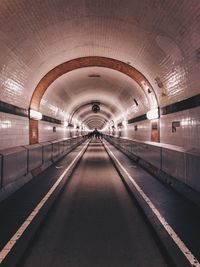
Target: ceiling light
<point>153,114</point>
<point>35,115</point>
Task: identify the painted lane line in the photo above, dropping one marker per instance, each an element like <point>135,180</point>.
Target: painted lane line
<point>184,249</point>
<point>10,244</point>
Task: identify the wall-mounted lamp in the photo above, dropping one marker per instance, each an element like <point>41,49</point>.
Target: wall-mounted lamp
<point>153,114</point>
<point>124,123</point>
<point>65,123</point>
<point>35,115</point>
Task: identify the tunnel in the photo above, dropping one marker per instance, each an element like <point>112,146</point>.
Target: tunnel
<point>99,133</point>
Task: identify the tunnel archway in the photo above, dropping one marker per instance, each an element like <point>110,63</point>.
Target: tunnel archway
<point>91,61</point>
<point>85,109</point>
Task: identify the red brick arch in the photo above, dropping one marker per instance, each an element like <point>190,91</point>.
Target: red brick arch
<point>74,64</point>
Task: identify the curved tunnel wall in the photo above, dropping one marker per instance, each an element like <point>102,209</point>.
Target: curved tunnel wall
<point>161,39</point>
<point>66,67</point>
<point>74,64</point>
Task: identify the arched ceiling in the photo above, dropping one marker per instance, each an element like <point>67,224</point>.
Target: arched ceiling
<point>95,121</point>
<point>82,111</point>
<point>159,38</point>
<point>115,92</point>
<point>103,113</point>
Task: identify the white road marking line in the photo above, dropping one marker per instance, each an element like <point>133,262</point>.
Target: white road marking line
<point>10,244</point>
<point>184,249</point>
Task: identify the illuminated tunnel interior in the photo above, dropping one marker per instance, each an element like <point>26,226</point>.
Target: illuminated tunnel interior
<point>159,40</point>
<point>128,70</point>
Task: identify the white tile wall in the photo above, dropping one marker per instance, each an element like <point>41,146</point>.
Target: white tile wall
<point>14,130</point>
<point>188,134</point>
<point>46,131</point>
<point>143,132</point>
<point>159,38</point>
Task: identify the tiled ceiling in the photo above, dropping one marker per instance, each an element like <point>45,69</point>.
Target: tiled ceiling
<point>160,38</point>
<point>111,88</point>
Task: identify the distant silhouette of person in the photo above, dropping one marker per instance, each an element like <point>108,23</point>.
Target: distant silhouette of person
<point>90,135</point>
<point>95,134</point>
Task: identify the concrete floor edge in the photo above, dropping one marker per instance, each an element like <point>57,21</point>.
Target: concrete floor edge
<point>174,184</point>
<point>21,245</point>
<point>175,256</point>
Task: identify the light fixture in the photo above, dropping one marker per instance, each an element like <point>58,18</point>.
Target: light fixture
<point>153,114</point>
<point>124,123</point>
<point>65,123</point>
<point>95,108</point>
<point>35,115</point>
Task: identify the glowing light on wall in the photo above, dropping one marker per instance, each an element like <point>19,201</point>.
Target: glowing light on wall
<point>124,125</point>
<point>187,122</point>
<point>153,114</point>
<point>65,123</point>
<point>4,124</point>
<point>35,115</point>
